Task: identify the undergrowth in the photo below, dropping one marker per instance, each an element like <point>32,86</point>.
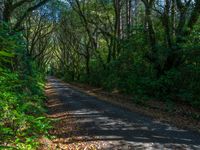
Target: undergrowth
<point>22,97</point>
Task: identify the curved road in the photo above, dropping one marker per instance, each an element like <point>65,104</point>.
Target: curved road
<point>119,128</point>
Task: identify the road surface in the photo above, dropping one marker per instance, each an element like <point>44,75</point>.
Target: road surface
<point>115,127</point>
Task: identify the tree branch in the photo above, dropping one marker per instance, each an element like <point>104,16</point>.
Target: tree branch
<point>28,11</point>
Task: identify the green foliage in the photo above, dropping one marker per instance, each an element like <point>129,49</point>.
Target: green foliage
<point>150,55</point>
<point>21,96</point>
<point>134,74</point>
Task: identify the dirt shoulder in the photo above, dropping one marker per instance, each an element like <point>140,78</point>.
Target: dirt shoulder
<point>182,116</point>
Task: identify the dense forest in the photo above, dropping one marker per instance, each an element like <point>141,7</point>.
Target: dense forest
<point>149,49</point>
<point>145,48</point>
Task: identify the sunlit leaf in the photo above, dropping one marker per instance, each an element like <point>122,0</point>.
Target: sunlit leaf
<point>6,54</point>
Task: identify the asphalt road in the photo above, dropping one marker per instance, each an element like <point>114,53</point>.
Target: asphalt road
<point>116,127</point>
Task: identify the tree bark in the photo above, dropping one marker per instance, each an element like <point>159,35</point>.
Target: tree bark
<point>1,10</point>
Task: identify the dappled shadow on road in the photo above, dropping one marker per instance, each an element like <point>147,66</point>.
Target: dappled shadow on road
<point>85,119</point>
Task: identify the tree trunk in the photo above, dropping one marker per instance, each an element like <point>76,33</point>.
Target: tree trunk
<point>87,58</point>
<point>166,24</point>
<point>128,16</point>
<point>1,10</point>
<point>150,28</point>
<point>117,31</point>
<point>7,11</point>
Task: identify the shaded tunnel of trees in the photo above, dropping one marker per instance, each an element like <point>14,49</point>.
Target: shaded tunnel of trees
<point>149,49</point>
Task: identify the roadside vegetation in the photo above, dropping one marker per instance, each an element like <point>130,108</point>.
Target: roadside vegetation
<point>148,49</point>
<point>22,81</point>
